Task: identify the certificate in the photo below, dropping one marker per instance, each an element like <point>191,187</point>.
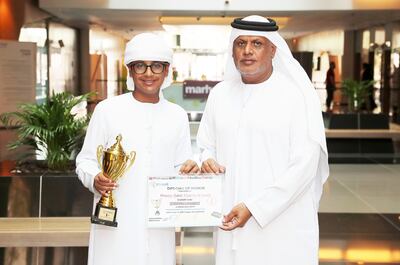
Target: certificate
<point>185,200</point>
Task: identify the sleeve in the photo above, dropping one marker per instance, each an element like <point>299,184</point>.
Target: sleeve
<point>206,134</point>
<point>184,147</point>
<point>299,176</point>
<point>87,166</point>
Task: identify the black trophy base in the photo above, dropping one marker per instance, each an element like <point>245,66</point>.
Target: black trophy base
<point>104,216</point>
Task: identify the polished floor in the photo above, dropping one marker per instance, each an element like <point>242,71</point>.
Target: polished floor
<point>359,219</point>
<point>362,188</point>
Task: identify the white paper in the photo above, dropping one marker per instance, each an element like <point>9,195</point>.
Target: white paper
<point>185,200</point>
<point>17,74</point>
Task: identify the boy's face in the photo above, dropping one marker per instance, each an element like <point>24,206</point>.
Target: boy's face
<point>148,76</point>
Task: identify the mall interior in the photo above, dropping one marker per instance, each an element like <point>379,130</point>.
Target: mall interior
<point>49,47</point>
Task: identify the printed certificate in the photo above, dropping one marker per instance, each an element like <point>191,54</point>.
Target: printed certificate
<point>185,200</point>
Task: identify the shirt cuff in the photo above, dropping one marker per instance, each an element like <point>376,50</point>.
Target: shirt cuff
<point>88,176</point>
<point>255,210</point>
<point>207,154</point>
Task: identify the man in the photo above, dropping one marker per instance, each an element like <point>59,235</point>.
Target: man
<point>263,127</point>
<point>367,75</point>
<point>330,85</point>
<point>159,133</point>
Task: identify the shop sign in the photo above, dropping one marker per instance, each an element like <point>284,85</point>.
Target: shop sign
<point>197,88</point>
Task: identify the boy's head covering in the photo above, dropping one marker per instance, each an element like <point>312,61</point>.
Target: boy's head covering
<point>148,47</point>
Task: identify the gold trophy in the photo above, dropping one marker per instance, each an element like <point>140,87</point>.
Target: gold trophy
<point>114,163</point>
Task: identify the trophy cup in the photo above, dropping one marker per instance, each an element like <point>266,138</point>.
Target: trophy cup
<point>114,163</point>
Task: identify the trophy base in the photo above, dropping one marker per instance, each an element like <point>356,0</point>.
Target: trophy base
<point>104,216</point>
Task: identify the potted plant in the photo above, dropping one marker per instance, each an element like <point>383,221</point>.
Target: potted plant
<point>356,92</point>
<point>51,129</point>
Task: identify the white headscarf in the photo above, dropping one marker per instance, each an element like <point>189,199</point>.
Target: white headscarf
<point>284,62</point>
<point>148,47</point>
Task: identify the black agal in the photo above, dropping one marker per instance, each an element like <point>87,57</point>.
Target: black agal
<point>239,23</point>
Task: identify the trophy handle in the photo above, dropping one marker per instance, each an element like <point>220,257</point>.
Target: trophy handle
<point>99,154</point>
<point>131,157</point>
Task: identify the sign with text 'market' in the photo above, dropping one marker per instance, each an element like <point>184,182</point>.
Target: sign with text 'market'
<point>197,88</point>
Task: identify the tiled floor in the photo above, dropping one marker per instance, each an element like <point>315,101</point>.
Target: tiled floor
<point>359,219</point>
<point>362,188</point>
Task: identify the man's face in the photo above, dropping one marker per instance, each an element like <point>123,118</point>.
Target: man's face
<point>253,58</point>
<point>148,76</point>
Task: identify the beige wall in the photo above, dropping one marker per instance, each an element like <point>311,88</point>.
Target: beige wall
<point>327,41</point>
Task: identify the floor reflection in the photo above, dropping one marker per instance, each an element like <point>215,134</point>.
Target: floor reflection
<point>197,247</point>
<point>359,218</point>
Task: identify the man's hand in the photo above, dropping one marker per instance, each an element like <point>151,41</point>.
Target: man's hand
<point>238,217</point>
<point>189,167</point>
<point>211,166</point>
<point>104,185</point>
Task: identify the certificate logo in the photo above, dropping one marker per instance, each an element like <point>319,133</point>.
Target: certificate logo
<point>156,204</point>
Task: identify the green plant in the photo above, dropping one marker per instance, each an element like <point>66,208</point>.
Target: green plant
<point>357,92</point>
<point>49,129</point>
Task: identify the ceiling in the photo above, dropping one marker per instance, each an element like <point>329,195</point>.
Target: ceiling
<point>127,23</point>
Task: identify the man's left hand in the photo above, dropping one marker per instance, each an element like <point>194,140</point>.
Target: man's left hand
<point>238,217</point>
<point>189,167</point>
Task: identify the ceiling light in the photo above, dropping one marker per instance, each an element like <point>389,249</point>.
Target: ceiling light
<point>207,20</point>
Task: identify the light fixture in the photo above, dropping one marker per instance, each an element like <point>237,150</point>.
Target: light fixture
<point>210,20</point>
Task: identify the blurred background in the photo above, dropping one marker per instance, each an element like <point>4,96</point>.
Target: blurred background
<point>76,47</point>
